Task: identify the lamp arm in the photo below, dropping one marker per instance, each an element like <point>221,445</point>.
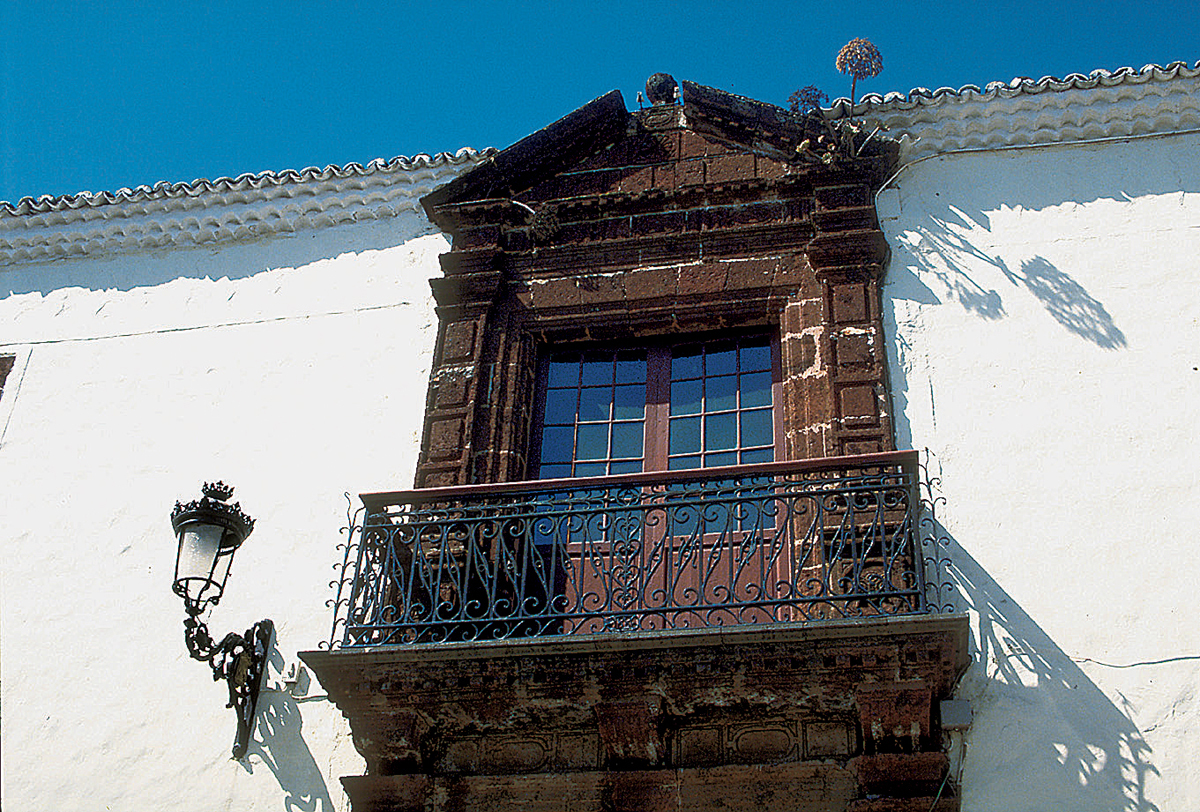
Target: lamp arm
<point>240,660</point>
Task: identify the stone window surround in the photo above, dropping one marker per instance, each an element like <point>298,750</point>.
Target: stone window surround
<point>760,246</point>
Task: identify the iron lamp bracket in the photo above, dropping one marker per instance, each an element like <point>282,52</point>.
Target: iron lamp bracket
<point>240,660</point>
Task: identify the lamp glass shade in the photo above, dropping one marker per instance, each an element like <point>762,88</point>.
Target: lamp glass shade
<point>202,565</point>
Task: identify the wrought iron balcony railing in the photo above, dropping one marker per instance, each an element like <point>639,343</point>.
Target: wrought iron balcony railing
<point>783,541</point>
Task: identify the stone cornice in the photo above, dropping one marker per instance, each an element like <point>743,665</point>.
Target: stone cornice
<point>225,210</point>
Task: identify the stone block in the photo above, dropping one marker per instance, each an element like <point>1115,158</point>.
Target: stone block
<point>849,303</point>
<point>445,438</point>
<point>900,774</point>
<point>699,747</point>
<point>630,731</point>
<point>458,343</point>
<point>826,739</point>
<point>729,168</point>
<point>898,709</point>
<point>707,277</point>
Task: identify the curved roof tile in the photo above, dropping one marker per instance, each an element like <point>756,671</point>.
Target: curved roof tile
<point>249,206</point>
<point>1025,112</point>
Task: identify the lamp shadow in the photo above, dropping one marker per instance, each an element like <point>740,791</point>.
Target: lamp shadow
<point>280,744</point>
<point>1043,732</point>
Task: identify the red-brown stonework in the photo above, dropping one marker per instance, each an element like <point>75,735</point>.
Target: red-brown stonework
<point>610,226</point>
<point>747,717</point>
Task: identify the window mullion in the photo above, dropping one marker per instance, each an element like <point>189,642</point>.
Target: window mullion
<point>658,407</point>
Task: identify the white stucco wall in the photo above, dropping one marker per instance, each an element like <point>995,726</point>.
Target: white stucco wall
<point>1044,318</point>
<point>294,368</point>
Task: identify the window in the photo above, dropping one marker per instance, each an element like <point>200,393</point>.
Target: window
<point>699,404</point>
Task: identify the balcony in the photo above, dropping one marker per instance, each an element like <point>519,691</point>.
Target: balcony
<point>728,636</point>
<point>776,542</point>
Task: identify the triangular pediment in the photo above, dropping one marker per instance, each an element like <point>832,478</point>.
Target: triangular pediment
<point>602,148</point>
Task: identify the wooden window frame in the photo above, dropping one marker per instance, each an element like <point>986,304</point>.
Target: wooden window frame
<point>657,416</point>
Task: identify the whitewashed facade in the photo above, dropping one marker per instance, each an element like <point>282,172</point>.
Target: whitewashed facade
<point>271,331</point>
<point>1044,317</point>
<point>275,331</point>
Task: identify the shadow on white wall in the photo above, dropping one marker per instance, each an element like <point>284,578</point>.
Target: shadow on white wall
<point>1044,735</point>
<point>281,746</point>
<point>944,248</point>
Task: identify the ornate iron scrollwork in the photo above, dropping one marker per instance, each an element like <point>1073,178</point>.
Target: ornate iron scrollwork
<point>240,660</point>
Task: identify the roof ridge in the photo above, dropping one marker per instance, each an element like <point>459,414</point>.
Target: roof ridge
<point>163,190</point>
<point>1021,85</point>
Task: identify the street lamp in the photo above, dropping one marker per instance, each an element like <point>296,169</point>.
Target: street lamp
<point>209,531</point>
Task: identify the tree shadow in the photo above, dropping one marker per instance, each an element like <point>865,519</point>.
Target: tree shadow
<point>1044,735</point>
<point>1067,301</point>
<point>942,248</point>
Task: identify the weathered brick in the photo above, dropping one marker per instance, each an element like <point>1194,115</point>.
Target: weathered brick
<point>769,168</point>
<point>824,739</point>
<point>901,774</point>
<point>637,180</point>
<point>599,288</point>
<point>692,145</point>
<point>560,292</point>
<point>842,196</point>
<point>750,273</point>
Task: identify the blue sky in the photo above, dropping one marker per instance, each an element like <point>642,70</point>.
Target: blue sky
<point>98,96</point>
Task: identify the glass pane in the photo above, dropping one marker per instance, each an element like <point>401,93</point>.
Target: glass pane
<point>557,444</point>
<point>597,370</point>
<point>757,428</point>
<point>721,360</point>
<point>592,442</point>
<point>631,367</point>
<point>627,440</point>
<point>758,455</point>
<point>756,389</point>
<point>720,393</point>
<point>683,463</point>
<point>626,467</point>
<point>595,404</point>
<point>630,403</point>
<point>590,469</point>
<point>720,431</point>
<point>685,397</point>
<point>560,406</point>
<point>724,458</point>
<point>685,363</point>
<point>564,373</point>
<point>685,436</point>
<point>757,356</point>
<point>556,471</point>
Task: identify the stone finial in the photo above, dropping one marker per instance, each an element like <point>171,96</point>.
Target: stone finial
<point>661,88</point>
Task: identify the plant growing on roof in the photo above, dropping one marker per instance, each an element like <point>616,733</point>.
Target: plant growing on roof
<point>806,99</point>
<point>861,59</point>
